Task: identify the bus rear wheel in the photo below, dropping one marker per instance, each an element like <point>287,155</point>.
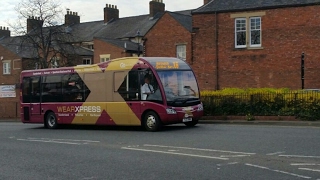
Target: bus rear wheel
<point>51,121</point>
<point>151,121</point>
<point>191,123</point>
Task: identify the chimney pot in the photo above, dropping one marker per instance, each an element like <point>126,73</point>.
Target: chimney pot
<point>71,18</point>
<point>110,12</point>
<point>0,27</point>
<point>156,6</point>
<point>8,28</point>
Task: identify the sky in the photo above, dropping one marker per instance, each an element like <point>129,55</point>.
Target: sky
<point>92,10</point>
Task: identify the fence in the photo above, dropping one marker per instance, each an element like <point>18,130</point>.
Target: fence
<point>303,105</point>
<point>9,110</point>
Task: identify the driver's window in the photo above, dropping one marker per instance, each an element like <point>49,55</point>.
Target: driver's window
<point>149,87</point>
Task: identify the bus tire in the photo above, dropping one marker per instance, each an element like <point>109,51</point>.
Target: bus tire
<point>151,121</point>
<point>51,121</point>
<point>192,123</point>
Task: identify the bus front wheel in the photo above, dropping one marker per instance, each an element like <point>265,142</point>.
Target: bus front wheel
<point>151,121</point>
<point>51,121</point>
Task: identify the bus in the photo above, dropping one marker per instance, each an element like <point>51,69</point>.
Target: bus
<point>138,91</point>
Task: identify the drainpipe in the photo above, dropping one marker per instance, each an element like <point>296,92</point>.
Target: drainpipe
<point>217,55</point>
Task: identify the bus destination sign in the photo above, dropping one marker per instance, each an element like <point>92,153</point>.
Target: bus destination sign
<point>167,65</point>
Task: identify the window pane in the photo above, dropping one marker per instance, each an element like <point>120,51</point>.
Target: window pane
<point>181,52</point>
<point>74,89</point>
<point>255,34</point>
<point>6,68</point>
<point>255,37</point>
<point>51,88</point>
<point>241,38</point>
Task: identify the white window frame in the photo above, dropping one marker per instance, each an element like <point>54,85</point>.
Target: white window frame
<point>86,59</point>
<point>181,51</point>
<point>6,67</point>
<point>235,30</point>
<point>104,57</point>
<point>256,29</point>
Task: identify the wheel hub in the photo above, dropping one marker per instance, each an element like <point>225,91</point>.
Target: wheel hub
<point>151,122</point>
<point>51,121</point>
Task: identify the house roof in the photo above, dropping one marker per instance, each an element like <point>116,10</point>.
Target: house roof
<point>18,46</point>
<point>240,5</point>
<point>123,28</point>
<point>73,49</point>
<point>115,29</point>
<point>128,45</point>
<point>184,20</point>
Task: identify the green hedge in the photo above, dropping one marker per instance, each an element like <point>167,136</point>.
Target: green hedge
<point>304,105</point>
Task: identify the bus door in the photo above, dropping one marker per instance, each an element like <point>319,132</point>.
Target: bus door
<point>31,97</point>
<point>127,104</point>
<point>35,104</point>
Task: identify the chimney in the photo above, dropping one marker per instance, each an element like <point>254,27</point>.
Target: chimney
<point>110,12</point>
<point>156,6</point>
<point>4,32</point>
<point>206,2</point>
<point>34,23</point>
<point>71,18</point>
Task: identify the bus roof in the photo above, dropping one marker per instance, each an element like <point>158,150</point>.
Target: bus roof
<point>159,63</point>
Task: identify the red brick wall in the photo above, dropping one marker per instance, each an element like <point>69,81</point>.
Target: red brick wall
<point>286,33</point>
<point>9,107</point>
<point>164,36</point>
<point>102,47</point>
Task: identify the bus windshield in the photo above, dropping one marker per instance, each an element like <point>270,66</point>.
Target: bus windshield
<point>180,87</point>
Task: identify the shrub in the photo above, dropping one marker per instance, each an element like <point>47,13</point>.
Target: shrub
<point>262,102</point>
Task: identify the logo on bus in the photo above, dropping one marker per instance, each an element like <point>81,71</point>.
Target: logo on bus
<point>79,109</point>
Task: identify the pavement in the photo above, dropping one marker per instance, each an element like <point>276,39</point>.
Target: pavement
<point>240,122</point>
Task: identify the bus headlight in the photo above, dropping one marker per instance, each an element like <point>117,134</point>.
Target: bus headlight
<point>171,111</point>
<point>200,107</point>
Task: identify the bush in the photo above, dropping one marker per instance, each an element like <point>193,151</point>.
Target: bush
<point>262,102</point>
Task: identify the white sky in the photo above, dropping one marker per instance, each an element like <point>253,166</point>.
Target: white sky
<point>92,10</point>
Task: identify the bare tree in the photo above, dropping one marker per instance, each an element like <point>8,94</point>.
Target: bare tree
<point>40,26</point>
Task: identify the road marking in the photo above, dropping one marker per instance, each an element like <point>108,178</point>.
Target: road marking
<point>46,141</point>
<point>308,169</point>
<point>274,170</point>
<point>232,163</point>
<point>75,140</point>
<point>299,156</point>
<point>230,156</point>
<point>198,149</point>
<point>304,164</point>
<point>270,154</point>
<point>174,153</point>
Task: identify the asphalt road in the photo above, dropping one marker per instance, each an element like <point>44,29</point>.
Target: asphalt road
<point>207,151</point>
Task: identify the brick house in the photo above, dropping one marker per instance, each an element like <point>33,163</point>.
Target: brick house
<point>116,37</point>
<point>11,60</point>
<point>256,43</point>
<point>171,36</point>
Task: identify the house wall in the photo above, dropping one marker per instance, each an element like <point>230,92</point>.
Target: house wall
<point>101,47</point>
<point>9,106</point>
<point>286,33</point>
<point>164,36</point>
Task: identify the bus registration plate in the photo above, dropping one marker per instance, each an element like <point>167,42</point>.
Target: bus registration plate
<point>187,119</point>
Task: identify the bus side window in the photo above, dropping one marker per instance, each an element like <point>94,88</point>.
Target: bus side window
<point>74,89</point>
<point>51,88</point>
<point>129,87</point>
<point>26,90</point>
